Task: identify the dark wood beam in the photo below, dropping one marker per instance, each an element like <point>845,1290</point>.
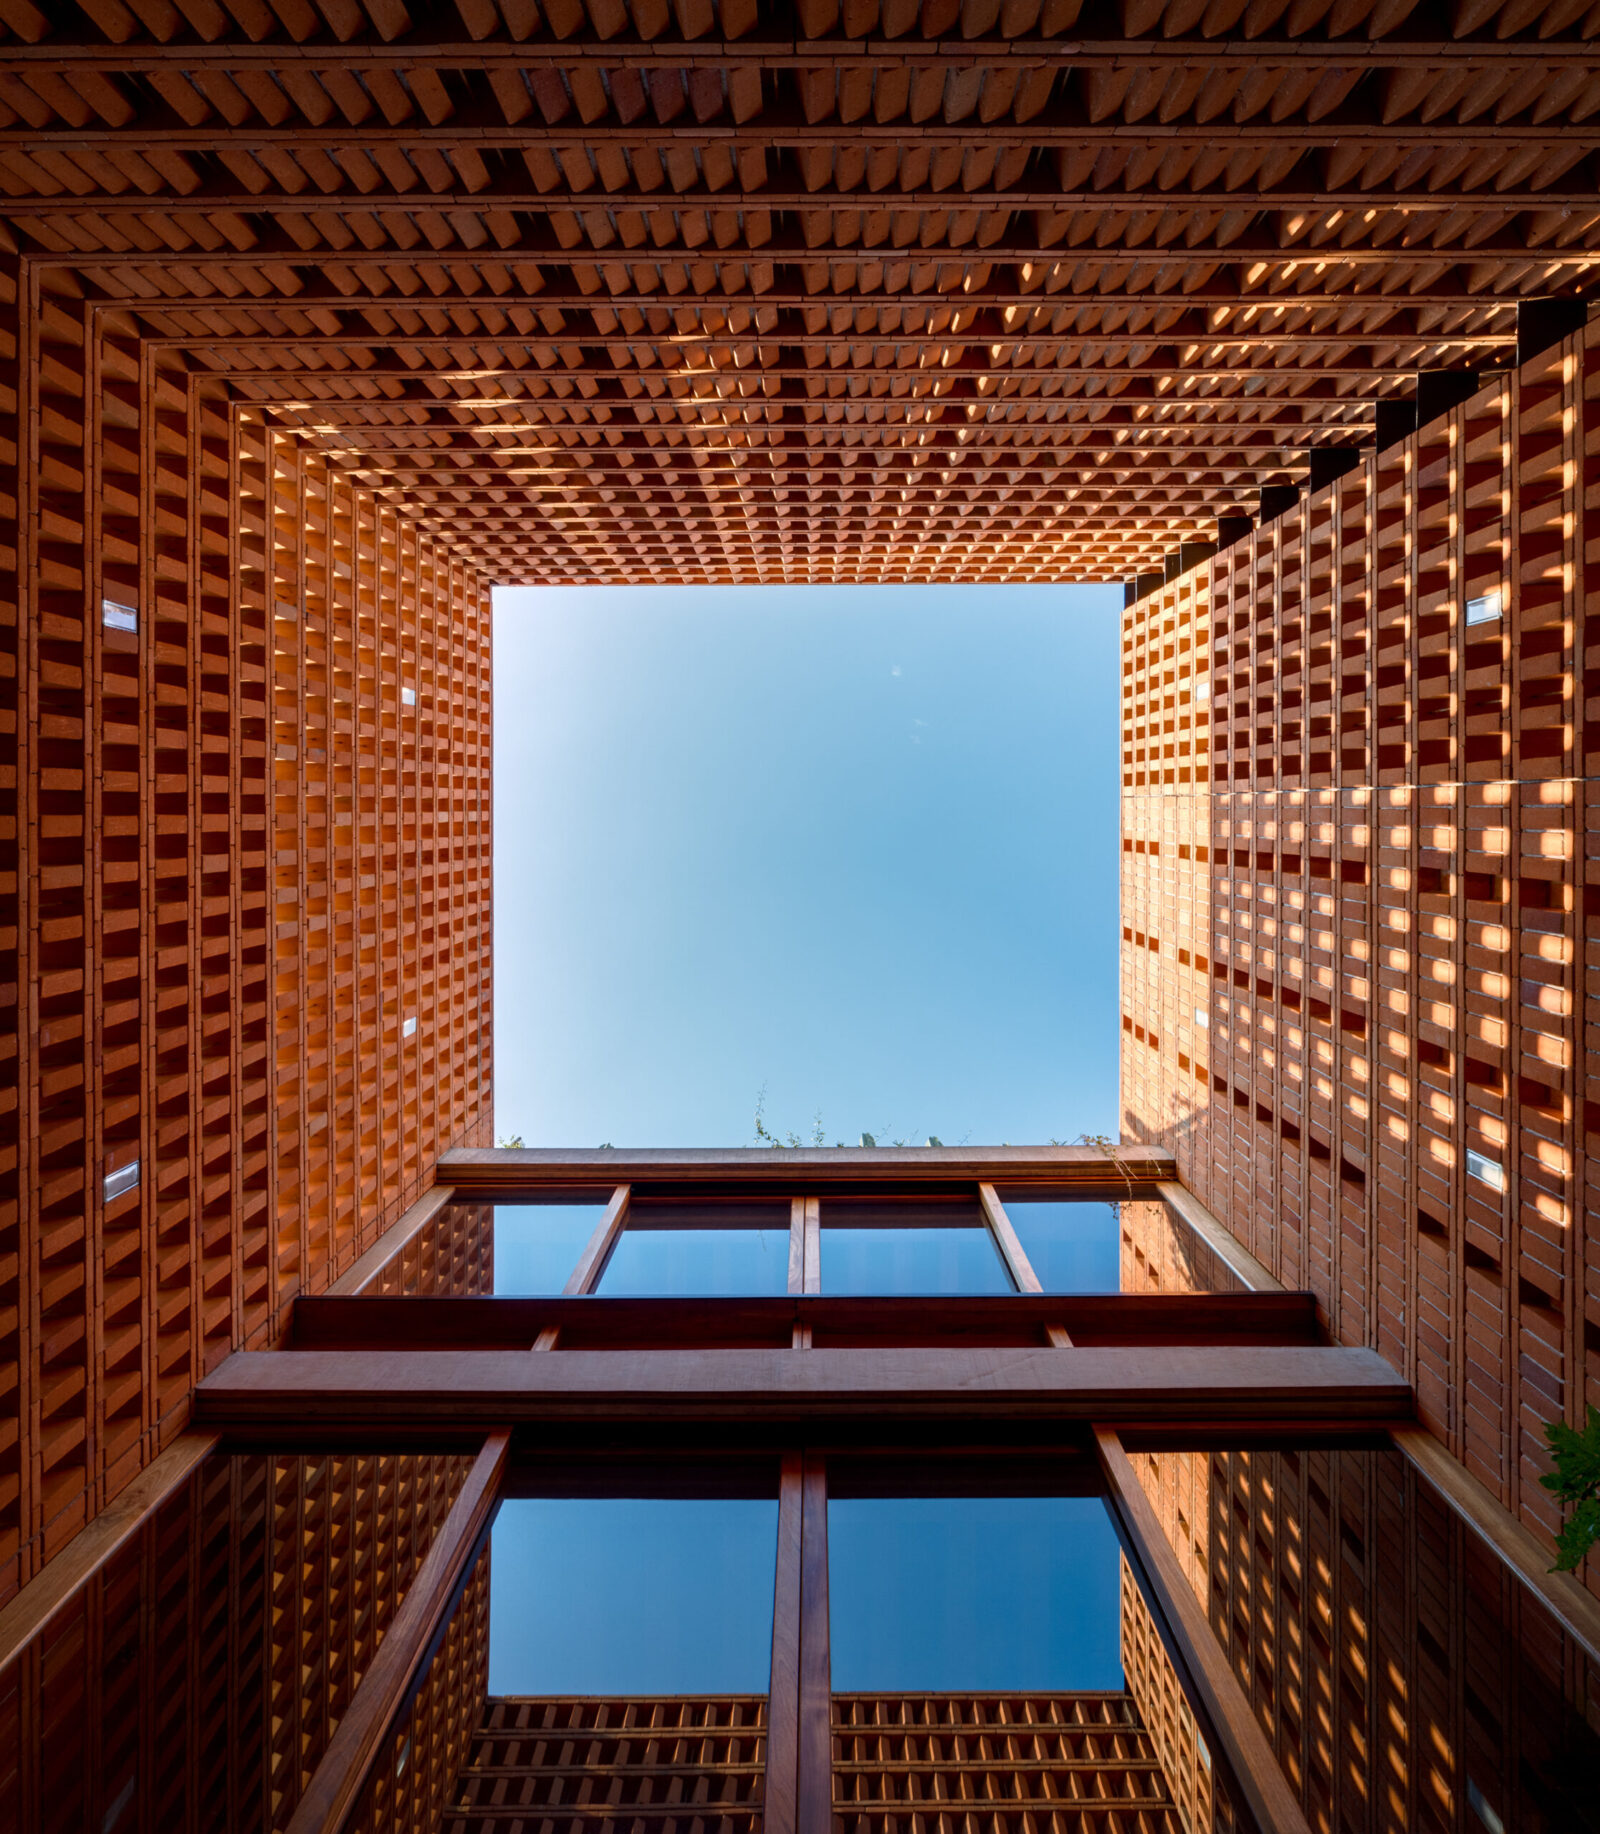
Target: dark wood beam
<point>484,1171</point>
<point>522,199</point>
<point>65,53</point>
<point>437,1323</point>
<point>483,131</point>
<point>392,1390</point>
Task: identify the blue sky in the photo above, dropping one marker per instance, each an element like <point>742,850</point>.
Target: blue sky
<point>857,845</point>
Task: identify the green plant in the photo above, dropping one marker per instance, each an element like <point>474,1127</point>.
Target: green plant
<point>1111,1148</point>
<point>1576,1480</point>
<point>515,1140</point>
<point>765,1136</point>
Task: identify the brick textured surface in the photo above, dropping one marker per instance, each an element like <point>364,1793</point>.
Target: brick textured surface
<point>1064,1763</point>
<point>1360,890</point>
<point>1201,1806</point>
<point>195,1683</point>
<point>1402,1674</point>
<point>252,844</point>
<point>414,1784</point>
<point>682,1765</point>
<point>749,290</point>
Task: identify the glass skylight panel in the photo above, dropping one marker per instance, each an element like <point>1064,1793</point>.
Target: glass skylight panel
<point>536,1246</point>
<point>1074,1247</point>
<point>980,1594</point>
<point>885,1248</point>
<point>714,1251</point>
<point>632,1595</point>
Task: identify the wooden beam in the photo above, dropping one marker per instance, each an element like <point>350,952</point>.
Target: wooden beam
<point>592,1262</point>
<point>783,128</point>
<point>58,1582</point>
<point>61,54</point>
<point>1231,1252</point>
<point>1269,1802</point>
<point>359,1277</point>
<point>466,1390</point>
<point>478,1172</point>
<point>424,1322</point>
<point>396,1671</point>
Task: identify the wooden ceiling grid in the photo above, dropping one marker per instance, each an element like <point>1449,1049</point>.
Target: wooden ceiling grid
<point>735,290</point>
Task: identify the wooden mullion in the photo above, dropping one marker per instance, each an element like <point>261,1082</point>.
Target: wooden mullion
<point>592,1262</point>
<point>1012,1253</point>
<point>813,1812</point>
<point>780,1794</point>
<point>797,1266</point>
<point>813,1245</point>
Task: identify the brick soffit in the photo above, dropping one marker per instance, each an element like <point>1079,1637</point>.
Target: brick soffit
<point>740,292</point>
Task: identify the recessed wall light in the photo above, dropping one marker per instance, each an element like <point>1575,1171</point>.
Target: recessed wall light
<point>1486,1170</point>
<point>123,1180</point>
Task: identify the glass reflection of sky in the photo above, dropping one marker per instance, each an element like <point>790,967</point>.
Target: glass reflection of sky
<point>889,1261</point>
<point>1074,1248</point>
<point>536,1246</point>
<point>608,1595</point>
<point>717,1263</point>
<point>989,1594</point>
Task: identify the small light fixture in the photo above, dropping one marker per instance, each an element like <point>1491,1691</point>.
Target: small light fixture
<point>123,1180</point>
<point>1202,687</point>
<point>408,697</point>
<point>1202,1018</point>
<point>409,1027</point>
<point>1486,1170</point>
<point>1484,610</point>
<point>116,616</point>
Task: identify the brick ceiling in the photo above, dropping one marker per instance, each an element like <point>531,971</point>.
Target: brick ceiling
<point>727,290</point>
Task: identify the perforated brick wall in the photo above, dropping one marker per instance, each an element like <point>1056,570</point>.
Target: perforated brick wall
<point>1360,889</point>
<point>245,711</point>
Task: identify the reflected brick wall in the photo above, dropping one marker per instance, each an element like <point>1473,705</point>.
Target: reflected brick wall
<point>1360,884</point>
<point>250,845</point>
<point>1160,1253</point>
<point>451,1257</point>
<point>673,1765</point>
<point>194,1683</point>
<point>1405,1680</point>
<point>411,1788</point>
<point>1153,1683</point>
